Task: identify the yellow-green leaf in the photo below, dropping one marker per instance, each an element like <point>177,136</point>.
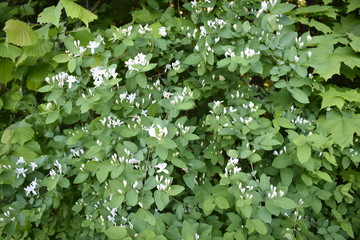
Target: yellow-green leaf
<point>74,10</point>
<point>19,33</point>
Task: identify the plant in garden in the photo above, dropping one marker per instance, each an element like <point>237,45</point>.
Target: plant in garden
<point>156,130</point>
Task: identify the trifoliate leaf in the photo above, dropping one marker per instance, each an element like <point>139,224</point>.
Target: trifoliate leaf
<point>19,33</point>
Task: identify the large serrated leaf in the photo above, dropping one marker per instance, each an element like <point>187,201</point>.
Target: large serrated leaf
<point>19,33</point>
<point>74,10</point>
<point>10,51</point>
<point>51,15</point>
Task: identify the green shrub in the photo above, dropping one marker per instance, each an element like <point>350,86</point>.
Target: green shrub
<point>215,120</point>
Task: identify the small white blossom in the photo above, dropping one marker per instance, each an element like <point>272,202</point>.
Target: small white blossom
<point>33,166</point>
<point>93,45</point>
<point>20,171</point>
<point>21,160</point>
<point>157,132</point>
<point>229,53</point>
<point>144,29</point>
<point>31,188</point>
<point>162,31</point>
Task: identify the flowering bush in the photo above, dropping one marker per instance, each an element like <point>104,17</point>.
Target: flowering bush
<point>215,120</point>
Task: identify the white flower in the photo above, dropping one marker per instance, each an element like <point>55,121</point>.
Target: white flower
<point>21,160</point>
<point>31,188</point>
<point>58,165</point>
<point>176,65</point>
<point>193,3</point>
<point>140,59</point>
<point>20,171</point>
<point>229,53</point>
<point>33,165</point>
<point>52,173</point>
<point>203,31</point>
<point>157,132</point>
<point>93,45</point>
<point>162,31</point>
<point>71,80</point>
<point>144,29</point>
<point>217,103</point>
<point>249,52</point>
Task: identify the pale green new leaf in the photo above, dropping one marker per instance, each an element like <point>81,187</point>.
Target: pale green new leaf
<point>353,4</point>
<point>51,15</point>
<point>115,232</point>
<point>74,10</point>
<point>10,51</point>
<point>19,33</point>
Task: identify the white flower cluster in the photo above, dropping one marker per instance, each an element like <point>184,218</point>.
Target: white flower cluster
<point>264,6</point>
<point>180,97</point>
<point>281,151</point>
<point>77,152</point>
<point>162,31</point>
<point>237,95</point>
<point>144,29</point>
<point>300,43</point>
<point>162,185</point>
<point>231,167</point>
<point>245,191</point>
<point>112,215</point>
<point>111,121</point>
<point>200,179</point>
<point>245,120</point>
<point>128,97</point>
<point>61,78</point>
<point>273,192</point>
<point>130,159</point>
<point>248,52</point>
<point>100,74</point>
<point>301,121</point>
<point>217,23</point>
<point>175,66</point>
<point>31,188</point>
<point>251,106</point>
<point>140,59</point>
<point>127,31</point>
<point>229,53</point>
<point>183,129</point>
<point>81,49</point>
<point>161,168</point>
<point>157,132</point>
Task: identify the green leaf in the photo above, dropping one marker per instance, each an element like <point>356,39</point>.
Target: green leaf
<point>132,197</point>
<point>52,117</point>
<point>346,226</point>
<point>102,174</point>
<point>282,8</point>
<point>61,58</point>
<point>193,59</point>
<point>208,205</point>
<point>353,5</point>
<point>10,51</point>
<point>246,210</point>
<point>341,129</point>
<point>20,132</point>
<point>81,177</point>
<point>74,10</point>
<point>299,95</point>
<point>326,62</point>
<point>286,175</point>
<point>303,152</point>
<point>324,176</point>
<point>260,226</point>
<point>282,122</point>
<point>222,202</point>
<point>50,15</point>
<point>19,33</point>
<point>6,70</point>
<point>141,80</point>
<point>175,190</point>
<point>355,44</point>
<point>116,232</point>
<point>39,49</point>
<point>161,199</point>
<point>284,203</point>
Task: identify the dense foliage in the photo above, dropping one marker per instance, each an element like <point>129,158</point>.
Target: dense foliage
<point>196,120</point>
